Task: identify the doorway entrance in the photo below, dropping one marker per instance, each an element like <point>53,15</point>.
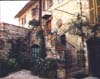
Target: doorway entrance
<point>35,52</point>
<point>93,45</point>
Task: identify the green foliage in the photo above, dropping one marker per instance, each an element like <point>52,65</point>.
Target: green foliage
<point>34,23</point>
<point>12,62</point>
<point>16,57</point>
<point>18,52</point>
<point>51,64</point>
<point>77,26</point>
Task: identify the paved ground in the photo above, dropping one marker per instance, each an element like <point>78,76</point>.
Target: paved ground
<point>91,78</point>
<point>25,74</point>
<point>86,78</point>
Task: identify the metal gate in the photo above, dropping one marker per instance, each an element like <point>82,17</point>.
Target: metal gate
<point>35,52</point>
<point>94,55</point>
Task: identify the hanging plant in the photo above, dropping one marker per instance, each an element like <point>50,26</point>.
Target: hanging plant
<point>34,23</point>
<point>77,26</point>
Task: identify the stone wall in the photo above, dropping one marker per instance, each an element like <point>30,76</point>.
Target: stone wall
<point>13,30</point>
<point>8,33</point>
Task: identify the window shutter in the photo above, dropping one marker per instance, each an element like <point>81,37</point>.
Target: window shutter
<point>92,12</point>
<point>98,10</point>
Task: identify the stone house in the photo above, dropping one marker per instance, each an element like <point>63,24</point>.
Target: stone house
<point>32,11</point>
<point>69,11</point>
<point>27,13</point>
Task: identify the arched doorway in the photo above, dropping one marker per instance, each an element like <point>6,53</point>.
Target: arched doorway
<point>93,45</point>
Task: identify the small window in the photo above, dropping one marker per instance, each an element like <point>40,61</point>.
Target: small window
<point>43,4</point>
<point>98,2</point>
<point>99,14</point>
<point>22,21</point>
<point>92,12</point>
<point>49,3</point>
<point>91,4</point>
<point>35,11</point>
<point>92,17</point>
<point>98,10</point>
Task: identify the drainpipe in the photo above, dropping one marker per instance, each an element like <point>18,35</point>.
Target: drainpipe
<point>42,42</point>
<point>40,13</point>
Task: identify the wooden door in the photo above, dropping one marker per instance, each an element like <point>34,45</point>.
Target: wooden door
<point>94,55</point>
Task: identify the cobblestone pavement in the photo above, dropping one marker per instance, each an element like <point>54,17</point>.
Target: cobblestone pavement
<point>91,77</point>
<point>86,78</point>
<point>23,74</point>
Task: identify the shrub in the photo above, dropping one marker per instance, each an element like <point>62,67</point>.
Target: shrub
<point>12,65</point>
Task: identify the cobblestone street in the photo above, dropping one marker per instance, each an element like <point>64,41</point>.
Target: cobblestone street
<point>23,74</point>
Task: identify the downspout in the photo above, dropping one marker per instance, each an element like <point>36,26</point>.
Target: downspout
<point>42,38</point>
<point>40,13</point>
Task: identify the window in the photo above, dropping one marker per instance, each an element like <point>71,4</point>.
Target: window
<point>35,11</point>
<point>23,20</point>
<point>99,14</point>
<point>94,8</point>
<point>98,10</point>
<point>47,4</point>
<point>92,17</point>
<point>43,4</point>
<point>92,12</point>
<point>91,4</point>
<point>98,2</point>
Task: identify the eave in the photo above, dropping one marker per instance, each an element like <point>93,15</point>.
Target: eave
<point>25,8</point>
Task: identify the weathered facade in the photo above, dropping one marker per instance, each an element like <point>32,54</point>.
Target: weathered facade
<point>27,13</point>
<point>68,12</point>
<point>32,12</point>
